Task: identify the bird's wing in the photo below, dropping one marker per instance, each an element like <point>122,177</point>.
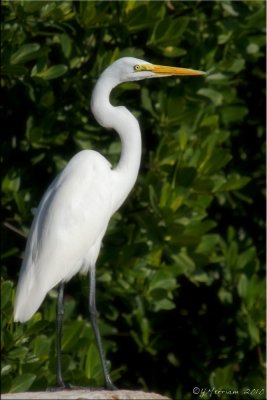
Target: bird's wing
<point>67,229</point>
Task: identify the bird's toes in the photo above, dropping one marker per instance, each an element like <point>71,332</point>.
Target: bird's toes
<point>111,386</point>
<point>62,386</point>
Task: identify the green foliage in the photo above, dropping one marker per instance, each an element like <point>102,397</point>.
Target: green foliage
<point>180,278</point>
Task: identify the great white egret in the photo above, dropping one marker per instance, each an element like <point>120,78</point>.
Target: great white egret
<point>74,213</point>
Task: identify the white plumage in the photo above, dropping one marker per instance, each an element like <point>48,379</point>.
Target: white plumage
<point>67,230</point>
<point>73,215</point>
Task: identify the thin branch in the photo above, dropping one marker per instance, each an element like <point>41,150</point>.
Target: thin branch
<point>14,229</point>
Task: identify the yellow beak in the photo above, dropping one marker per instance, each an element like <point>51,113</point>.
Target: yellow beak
<point>162,70</point>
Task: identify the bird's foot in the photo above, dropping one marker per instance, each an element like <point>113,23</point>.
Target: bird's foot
<point>61,386</point>
<point>67,386</point>
<point>110,385</point>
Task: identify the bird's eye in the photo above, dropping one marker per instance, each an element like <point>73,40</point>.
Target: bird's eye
<point>137,67</point>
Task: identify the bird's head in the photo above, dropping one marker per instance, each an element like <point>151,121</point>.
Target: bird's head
<point>133,69</point>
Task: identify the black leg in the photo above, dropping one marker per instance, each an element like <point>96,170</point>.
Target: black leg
<point>60,313</point>
<point>93,316</point>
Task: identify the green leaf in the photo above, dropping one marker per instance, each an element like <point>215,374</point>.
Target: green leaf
<point>22,383</point>
<point>183,264</point>
<point>225,296</point>
<point>164,304</point>
<point>162,280</point>
<point>18,353</point>
<point>66,44</point>
<point>71,335</point>
<point>145,328</point>
<point>6,369</point>
<point>253,331</point>
<point>214,161</point>
<point>47,100</point>
<point>252,48</point>
<point>199,228</point>
<point>237,65</point>
<point>140,16</point>
<point>168,32</point>
<point>52,72</point>
<point>146,101</point>
<point>6,293</point>
<point>222,378</point>
<point>92,364</point>
<point>32,6</point>
<point>232,254</point>
<point>216,77</point>
<point>234,182</point>
<point>41,346</point>
<point>246,257</point>
<point>25,53</point>
<point>11,182</point>
<point>16,70</point>
<point>233,113</point>
<point>137,19</point>
<point>242,285</point>
<point>229,9</point>
<point>172,51</point>
<point>213,95</point>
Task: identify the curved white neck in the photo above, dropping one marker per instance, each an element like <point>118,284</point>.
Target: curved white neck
<point>126,125</point>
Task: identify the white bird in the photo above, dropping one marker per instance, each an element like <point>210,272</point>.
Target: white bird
<point>74,213</point>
